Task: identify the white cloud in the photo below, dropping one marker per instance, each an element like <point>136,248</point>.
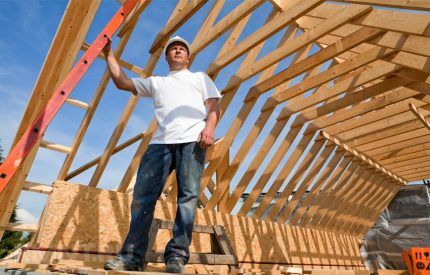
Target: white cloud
<point>25,217</point>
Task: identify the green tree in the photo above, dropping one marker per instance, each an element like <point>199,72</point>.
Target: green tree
<point>11,239</point>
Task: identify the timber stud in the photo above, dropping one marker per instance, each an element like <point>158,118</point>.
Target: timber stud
<point>3,175</point>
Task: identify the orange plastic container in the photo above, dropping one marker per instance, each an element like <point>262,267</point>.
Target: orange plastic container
<point>417,260</point>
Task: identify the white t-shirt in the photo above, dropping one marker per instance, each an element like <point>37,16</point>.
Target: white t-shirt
<point>179,101</point>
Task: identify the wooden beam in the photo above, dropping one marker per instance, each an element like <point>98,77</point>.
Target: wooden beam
<point>301,41</point>
<point>306,182</point>
<point>95,161</point>
<point>363,158</point>
<point>329,52</point>
<point>419,115</point>
<point>264,32</point>
<point>337,197</point>
<point>77,103</point>
<point>54,146</point>
<point>228,21</point>
<point>332,172</point>
<point>395,40</point>
<point>174,23</point>
<point>384,19</point>
<point>20,227</point>
<point>388,98</point>
<point>423,5</point>
<point>392,140</point>
<point>37,187</point>
<point>357,126</point>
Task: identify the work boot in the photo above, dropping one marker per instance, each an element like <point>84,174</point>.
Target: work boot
<point>119,265</point>
<point>175,265</point>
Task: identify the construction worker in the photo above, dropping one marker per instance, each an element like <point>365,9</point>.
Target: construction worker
<point>187,111</point>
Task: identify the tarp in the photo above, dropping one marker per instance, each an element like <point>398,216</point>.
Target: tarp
<point>403,224</point>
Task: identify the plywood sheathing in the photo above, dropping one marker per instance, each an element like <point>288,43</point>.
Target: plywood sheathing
<point>85,218</point>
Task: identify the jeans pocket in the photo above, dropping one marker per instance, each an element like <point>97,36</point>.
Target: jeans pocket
<point>199,153</point>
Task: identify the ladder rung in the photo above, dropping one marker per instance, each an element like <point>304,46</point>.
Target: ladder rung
<point>77,103</point>
<point>55,147</point>
<point>20,227</point>
<point>37,187</point>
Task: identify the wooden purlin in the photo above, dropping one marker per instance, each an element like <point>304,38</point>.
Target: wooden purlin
<point>57,64</point>
<point>408,23</point>
<point>402,4</point>
<point>363,158</point>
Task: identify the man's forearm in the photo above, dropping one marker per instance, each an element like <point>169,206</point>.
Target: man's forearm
<point>116,73</point>
<point>118,76</point>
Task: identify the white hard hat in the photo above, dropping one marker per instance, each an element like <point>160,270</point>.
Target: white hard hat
<point>177,39</point>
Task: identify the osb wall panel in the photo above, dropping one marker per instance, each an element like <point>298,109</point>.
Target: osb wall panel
<point>85,218</point>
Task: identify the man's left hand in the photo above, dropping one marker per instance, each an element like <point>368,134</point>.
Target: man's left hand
<point>206,137</point>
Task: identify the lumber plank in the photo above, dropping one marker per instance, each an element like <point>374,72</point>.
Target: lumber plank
<point>55,146</point>
<point>20,227</point>
<point>228,21</point>
<point>77,103</point>
<point>37,187</point>
<point>384,19</point>
<point>402,4</point>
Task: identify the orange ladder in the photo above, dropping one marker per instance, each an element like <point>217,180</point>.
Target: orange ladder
<point>38,127</point>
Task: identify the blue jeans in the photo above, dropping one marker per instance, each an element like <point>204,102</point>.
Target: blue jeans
<point>157,163</point>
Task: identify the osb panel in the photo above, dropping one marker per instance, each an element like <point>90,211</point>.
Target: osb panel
<point>85,218</point>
